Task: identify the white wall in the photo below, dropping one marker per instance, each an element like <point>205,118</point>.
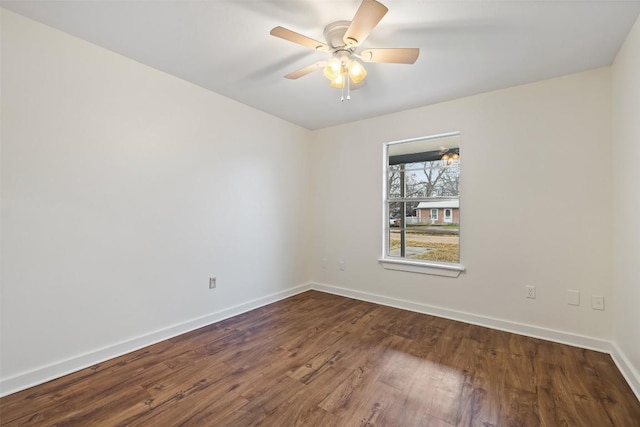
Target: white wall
<point>626,202</point>
<point>123,190</point>
<point>536,185</point>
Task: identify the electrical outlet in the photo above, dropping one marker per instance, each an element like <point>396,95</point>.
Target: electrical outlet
<point>530,291</point>
<point>573,297</point>
<point>212,282</point>
<point>597,302</point>
<point>341,265</point>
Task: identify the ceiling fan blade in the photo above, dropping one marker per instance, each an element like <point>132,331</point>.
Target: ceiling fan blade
<point>366,18</point>
<point>305,41</point>
<point>306,70</point>
<point>394,55</point>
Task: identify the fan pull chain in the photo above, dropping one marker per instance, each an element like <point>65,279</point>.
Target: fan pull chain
<point>346,76</point>
<point>342,93</point>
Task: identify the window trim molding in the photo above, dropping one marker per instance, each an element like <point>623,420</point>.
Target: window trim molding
<point>401,264</point>
<point>433,268</point>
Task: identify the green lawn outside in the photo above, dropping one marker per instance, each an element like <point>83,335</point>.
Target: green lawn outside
<point>444,252</point>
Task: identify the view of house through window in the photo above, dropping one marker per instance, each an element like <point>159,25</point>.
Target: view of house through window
<point>423,199</point>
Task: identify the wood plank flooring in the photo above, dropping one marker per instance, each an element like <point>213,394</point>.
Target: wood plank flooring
<point>322,360</point>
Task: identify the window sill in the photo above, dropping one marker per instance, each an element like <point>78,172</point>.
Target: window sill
<point>447,270</point>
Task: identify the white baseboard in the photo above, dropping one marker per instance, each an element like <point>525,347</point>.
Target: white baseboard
<point>489,322</point>
<point>622,362</point>
<point>58,369</point>
<point>626,368</point>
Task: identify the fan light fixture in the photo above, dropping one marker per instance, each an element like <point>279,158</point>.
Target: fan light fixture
<point>450,157</point>
<point>339,74</point>
<point>333,69</point>
<point>337,82</point>
<point>357,71</point>
<point>343,42</point>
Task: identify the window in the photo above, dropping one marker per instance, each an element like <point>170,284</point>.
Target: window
<point>447,216</point>
<point>422,205</point>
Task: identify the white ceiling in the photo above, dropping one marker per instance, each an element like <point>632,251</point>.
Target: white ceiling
<point>466,47</point>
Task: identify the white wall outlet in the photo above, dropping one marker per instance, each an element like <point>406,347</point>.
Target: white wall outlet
<point>212,282</point>
<point>324,263</point>
<point>573,297</point>
<point>530,291</point>
<point>341,265</point>
<point>597,302</point>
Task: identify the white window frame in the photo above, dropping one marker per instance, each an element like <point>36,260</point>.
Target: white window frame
<point>405,264</point>
<point>434,218</point>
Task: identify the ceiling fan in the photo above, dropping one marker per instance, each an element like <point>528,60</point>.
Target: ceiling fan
<point>343,38</point>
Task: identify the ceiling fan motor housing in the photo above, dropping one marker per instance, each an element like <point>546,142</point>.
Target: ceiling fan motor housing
<point>334,34</point>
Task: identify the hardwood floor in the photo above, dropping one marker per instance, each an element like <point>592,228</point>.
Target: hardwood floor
<point>322,360</point>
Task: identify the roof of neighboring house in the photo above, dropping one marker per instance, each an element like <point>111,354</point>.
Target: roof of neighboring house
<point>434,204</point>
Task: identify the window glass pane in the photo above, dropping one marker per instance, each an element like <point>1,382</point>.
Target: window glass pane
<point>432,179</point>
<point>424,243</point>
<point>395,214</point>
<point>424,179</point>
<point>394,242</point>
<point>393,181</point>
<point>427,243</point>
<point>427,227</point>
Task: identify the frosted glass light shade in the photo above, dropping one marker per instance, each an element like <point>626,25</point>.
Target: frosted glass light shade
<point>332,69</point>
<point>338,82</point>
<point>357,71</point>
